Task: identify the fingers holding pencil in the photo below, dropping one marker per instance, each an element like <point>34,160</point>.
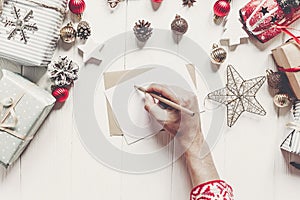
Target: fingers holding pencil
<point>167,98</point>
<point>179,117</point>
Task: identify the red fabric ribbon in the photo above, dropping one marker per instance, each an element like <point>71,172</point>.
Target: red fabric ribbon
<point>293,69</point>
<point>286,31</point>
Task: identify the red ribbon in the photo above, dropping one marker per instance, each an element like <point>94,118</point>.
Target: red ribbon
<point>293,69</point>
<point>286,31</point>
<point>285,28</point>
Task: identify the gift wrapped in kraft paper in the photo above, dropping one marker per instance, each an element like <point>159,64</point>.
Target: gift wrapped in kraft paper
<point>287,57</point>
<point>23,108</point>
<point>29,30</point>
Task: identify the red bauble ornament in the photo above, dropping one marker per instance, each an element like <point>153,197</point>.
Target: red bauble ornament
<point>222,8</point>
<point>61,94</point>
<point>77,6</point>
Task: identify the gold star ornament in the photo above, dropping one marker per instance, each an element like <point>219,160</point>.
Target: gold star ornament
<point>239,95</point>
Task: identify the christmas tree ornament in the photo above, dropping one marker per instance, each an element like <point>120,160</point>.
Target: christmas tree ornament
<point>20,24</point>
<point>274,79</point>
<point>77,7</point>
<point>265,19</point>
<point>218,54</point>
<point>91,50</point>
<point>221,8</point>
<point>68,33</point>
<point>239,95</point>
<point>279,82</point>
<point>156,4</point>
<point>281,100</point>
<point>233,34</point>
<point>179,25</point>
<point>188,3</point>
<point>63,72</point>
<point>61,94</point>
<point>83,30</point>
<point>142,30</point>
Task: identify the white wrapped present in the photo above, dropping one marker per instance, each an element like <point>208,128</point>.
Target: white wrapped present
<point>23,108</point>
<point>29,30</point>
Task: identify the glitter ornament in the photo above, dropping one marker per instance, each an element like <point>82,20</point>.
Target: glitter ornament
<point>68,33</point>
<point>281,100</point>
<point>221,8</point>
<point>179,25</point>
<point>277,80</point>
<point>218,54</point>
<point>156,4</point>
<point>274,79</point>
<point>77,7</point>
<point>63,72</point>
<point>142,30</point>
<point>83,30</point>
<point>61,94</point>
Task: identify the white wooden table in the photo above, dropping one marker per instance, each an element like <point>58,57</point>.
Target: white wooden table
<point>57,166</point>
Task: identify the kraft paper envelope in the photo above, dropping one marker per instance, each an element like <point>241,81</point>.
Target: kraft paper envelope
<point>112,79</point>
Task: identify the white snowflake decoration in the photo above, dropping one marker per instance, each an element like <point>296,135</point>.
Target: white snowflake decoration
<point>20,25</point>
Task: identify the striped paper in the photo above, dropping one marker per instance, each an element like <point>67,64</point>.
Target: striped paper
<point>41,43</point>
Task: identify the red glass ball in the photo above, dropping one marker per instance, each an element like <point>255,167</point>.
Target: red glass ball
<point>61,94</point>
<point>77,6</point>
<point>222,8</point>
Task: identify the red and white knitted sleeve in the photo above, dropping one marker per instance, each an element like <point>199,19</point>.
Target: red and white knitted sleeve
<point>213,190</point>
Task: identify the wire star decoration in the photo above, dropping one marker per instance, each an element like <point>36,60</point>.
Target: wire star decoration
<point>20,25</point>
<point>239,95</point>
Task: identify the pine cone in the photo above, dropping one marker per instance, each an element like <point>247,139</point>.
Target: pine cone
<point>142,30</point>
<point>63,72</point>
<point>83,30</point>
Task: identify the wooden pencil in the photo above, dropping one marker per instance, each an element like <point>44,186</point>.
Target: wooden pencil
<point>166,101</point>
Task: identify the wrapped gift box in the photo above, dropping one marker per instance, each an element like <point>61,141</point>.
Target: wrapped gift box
<point>29,30</point>
<point>23,108</point>
<point>288,56</point>
<point>262,18</point>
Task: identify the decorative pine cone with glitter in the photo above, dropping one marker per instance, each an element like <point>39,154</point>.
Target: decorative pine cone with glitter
<point>142,30</point>
<point>83,30</point>
<point>188,3</point>
<point>63,72</point>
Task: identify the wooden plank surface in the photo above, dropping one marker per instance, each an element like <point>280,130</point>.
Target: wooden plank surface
<point>57,166</point>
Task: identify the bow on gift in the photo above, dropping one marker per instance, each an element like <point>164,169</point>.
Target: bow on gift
<point>8,104</point>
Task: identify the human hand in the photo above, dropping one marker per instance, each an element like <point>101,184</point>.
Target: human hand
<point>187,128</point>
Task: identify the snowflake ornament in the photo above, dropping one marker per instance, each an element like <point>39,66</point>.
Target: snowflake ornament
<point>63,72</point>
<point>20,24</point>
